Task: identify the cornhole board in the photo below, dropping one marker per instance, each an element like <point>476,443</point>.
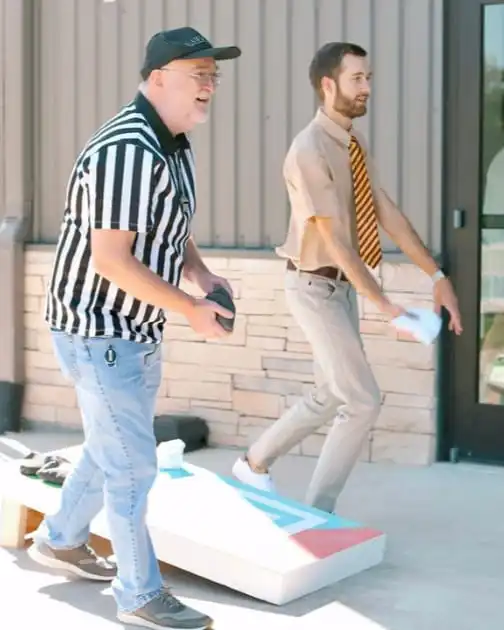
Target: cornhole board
<point>254,542</point>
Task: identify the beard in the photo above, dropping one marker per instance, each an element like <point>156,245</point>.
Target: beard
<point>350,108</point>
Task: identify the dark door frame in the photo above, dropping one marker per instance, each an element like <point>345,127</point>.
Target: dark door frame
<point>461,155</point>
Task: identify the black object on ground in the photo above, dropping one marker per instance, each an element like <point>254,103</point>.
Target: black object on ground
<point>11,404</point>
<point>190,429</point>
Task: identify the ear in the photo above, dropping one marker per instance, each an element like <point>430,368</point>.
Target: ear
<point>156,78</point>
<point>327,85</point>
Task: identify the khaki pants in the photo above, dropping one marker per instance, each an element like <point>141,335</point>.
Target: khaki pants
<point>346,391</point>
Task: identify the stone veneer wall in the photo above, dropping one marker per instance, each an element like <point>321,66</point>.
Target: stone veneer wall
<point>244,384</point>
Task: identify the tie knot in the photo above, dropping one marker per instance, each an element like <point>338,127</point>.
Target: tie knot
<point>353,141</point>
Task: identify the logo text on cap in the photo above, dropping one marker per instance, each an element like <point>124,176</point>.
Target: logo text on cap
<point>194,41</point>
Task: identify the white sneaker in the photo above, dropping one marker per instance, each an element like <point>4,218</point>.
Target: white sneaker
<point>245,474</point>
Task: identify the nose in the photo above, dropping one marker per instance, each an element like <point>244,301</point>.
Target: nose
<point>366,87</point>
<point>208,87</point>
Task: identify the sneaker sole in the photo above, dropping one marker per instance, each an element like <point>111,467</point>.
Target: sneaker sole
<point>145,623</point>
<point>54,563</point>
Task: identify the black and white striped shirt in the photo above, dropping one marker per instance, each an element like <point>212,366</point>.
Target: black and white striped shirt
<point>133,174</point>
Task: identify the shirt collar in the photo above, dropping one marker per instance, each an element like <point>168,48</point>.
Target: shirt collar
<point>169,143</point>
<point>335,128</point>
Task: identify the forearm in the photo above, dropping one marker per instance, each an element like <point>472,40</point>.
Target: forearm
<point>193,263</point>
<point>348,260</point>
<point>405,237</point>
<point>135,279</point>
<point>400,230</point>
<point>356,271</point>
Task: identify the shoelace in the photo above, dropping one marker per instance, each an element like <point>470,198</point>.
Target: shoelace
<point>89,551</point>
<point>171,602</point>
<point>92,557</point>
<point>88,555</point>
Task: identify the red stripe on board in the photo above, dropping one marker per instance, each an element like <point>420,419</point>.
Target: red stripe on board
<point>323,543</point>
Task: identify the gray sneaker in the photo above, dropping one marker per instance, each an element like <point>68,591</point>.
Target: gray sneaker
<point>166,611</point>
<point>81,561</point>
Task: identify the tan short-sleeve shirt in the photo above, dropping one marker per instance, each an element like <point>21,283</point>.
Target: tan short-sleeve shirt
<point>318,178</point>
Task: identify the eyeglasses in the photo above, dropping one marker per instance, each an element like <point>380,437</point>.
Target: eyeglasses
<point>202,78</point>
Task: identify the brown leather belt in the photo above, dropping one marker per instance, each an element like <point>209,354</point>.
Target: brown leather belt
<point>332,273</point>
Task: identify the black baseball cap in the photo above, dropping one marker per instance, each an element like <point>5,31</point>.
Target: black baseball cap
<point>182,43</point>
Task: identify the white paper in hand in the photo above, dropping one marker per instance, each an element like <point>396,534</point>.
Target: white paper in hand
<point>422,323</point>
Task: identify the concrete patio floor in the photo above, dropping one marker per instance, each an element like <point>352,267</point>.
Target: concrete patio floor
<point>444,567</point>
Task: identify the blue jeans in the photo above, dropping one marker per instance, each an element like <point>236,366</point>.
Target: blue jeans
<point>116,383</point>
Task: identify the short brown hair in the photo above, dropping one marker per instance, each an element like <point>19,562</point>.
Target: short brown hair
<point>328,59</point>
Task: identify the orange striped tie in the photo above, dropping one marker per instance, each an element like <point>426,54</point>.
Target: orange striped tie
<point>367,225</point>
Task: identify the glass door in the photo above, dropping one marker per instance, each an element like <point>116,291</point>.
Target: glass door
<point>473,373</point>
<point>491,294</point>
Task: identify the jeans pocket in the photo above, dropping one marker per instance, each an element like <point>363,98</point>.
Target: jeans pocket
<point>318,288</point>
<point>66,354</point>
<point>117,353</point>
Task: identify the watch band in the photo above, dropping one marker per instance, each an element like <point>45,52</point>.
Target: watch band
<point>437,276</point>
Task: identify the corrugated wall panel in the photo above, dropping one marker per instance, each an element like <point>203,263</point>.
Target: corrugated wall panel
<point>180,14</point>
<point>16,109</point>
<point>249,114</point>
<point>434,238</point>
<point>224,173</point>
<point>416,115</point>
<point>3,154</point>
<point>264,99</point>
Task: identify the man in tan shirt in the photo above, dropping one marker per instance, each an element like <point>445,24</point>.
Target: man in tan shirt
<point>331,247</point>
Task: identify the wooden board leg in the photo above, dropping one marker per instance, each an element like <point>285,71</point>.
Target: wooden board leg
<point>33,520</point>
<point>13,524</point>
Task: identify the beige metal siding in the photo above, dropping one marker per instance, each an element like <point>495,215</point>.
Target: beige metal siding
<point>16,109</point>
<point>90,52</point>
<point>3,151</point>
<point>16,179</point>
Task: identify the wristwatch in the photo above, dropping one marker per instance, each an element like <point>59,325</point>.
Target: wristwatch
<point>437,276</point>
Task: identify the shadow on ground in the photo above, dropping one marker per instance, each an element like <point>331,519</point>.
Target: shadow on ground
<point>443,566</point>
<point>96,599</point>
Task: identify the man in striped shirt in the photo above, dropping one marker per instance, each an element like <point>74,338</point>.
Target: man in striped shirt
<point>125,243</point>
